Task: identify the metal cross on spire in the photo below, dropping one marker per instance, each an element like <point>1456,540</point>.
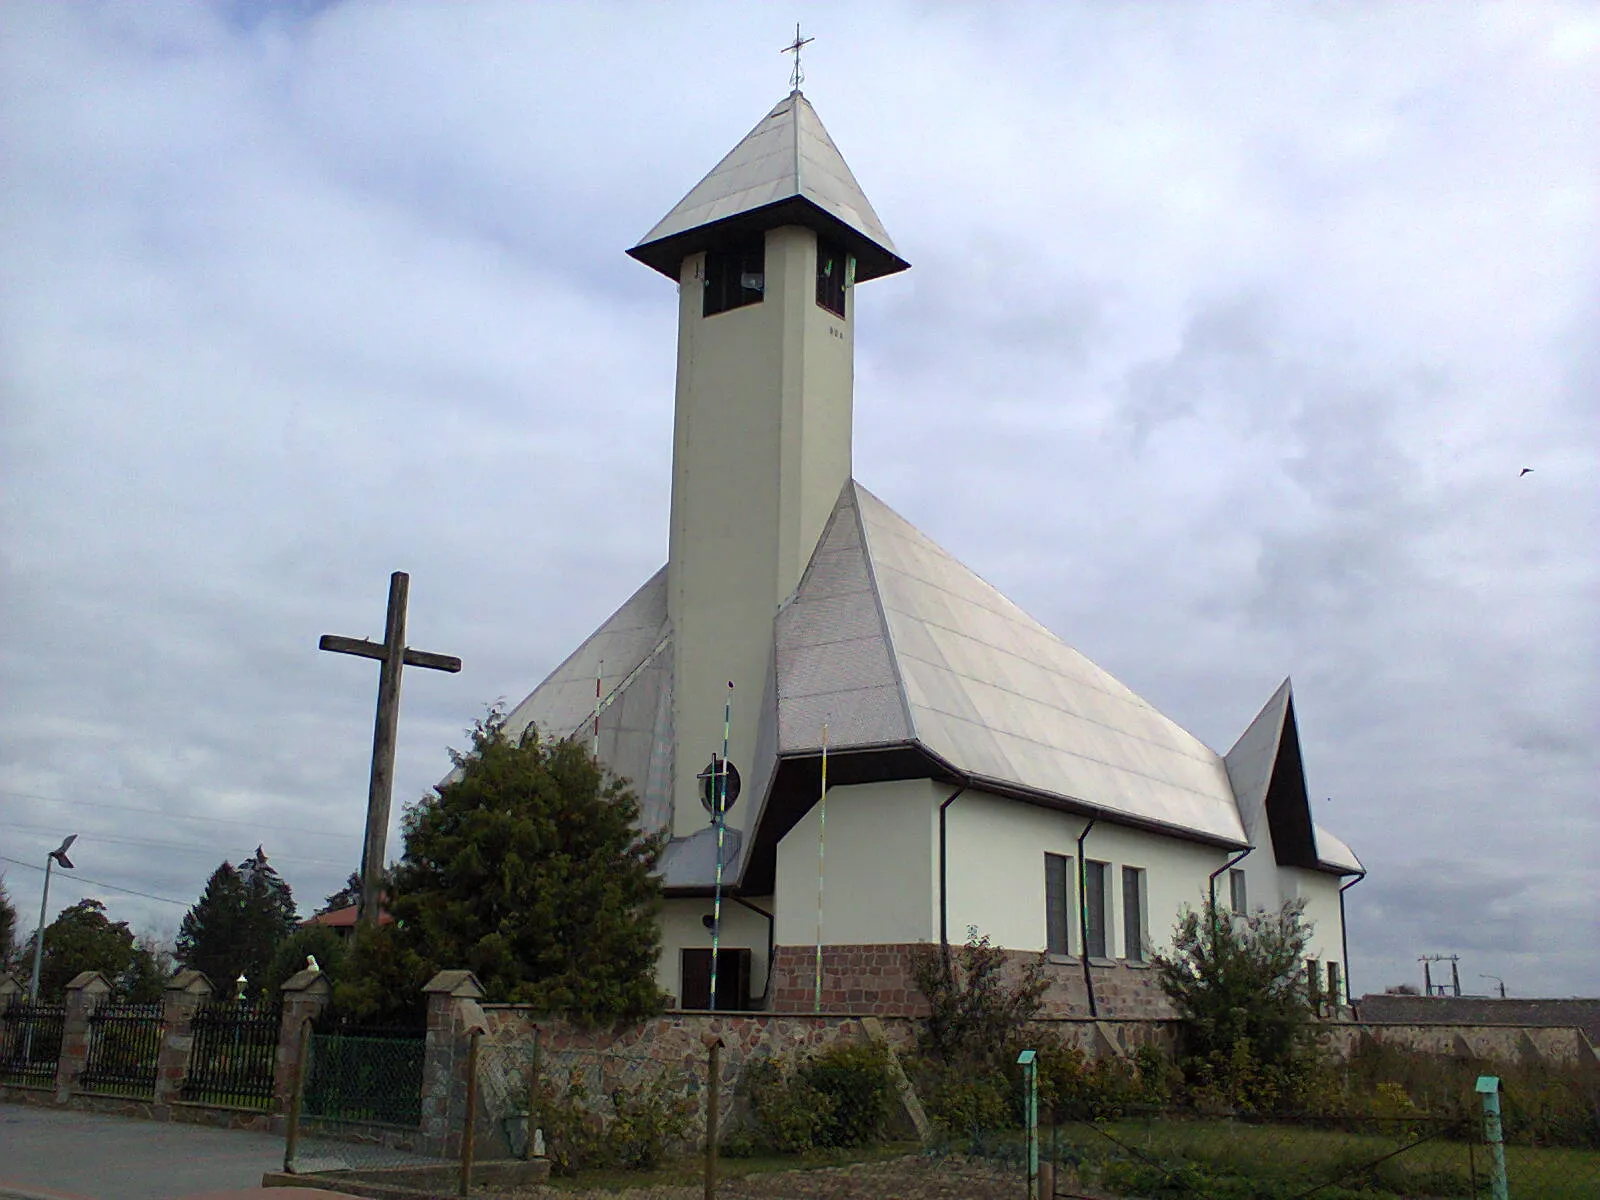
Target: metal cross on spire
<point>797,76</point>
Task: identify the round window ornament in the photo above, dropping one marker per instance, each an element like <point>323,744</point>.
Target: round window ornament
<point>719,774</point>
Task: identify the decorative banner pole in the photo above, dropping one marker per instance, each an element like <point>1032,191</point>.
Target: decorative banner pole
<point>719,782</point>
<point>599,670</point>
<point>822,841</point>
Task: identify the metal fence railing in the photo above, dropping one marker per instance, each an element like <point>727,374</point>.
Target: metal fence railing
<point>30,1043</point>
<point>124,1042</point>
<point>366,1075</point>
<point>233,1056</point>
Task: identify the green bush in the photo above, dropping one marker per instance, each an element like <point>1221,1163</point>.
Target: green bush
<point>788,1114</point>
<point>967,1104</point>
<point>644,1127</point>
<point>839,1097</point>
<point>855,1079</point>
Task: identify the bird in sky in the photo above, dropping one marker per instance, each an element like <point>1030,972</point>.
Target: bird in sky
<point>1524,471</point>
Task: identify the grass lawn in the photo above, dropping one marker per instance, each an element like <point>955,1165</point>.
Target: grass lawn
<point>1226,1159</point>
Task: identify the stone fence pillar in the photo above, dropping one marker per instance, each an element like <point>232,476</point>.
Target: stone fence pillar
<point>183,994</point>
<point>452,1013</point>
<point>305,994</point>
<point>84,994</point>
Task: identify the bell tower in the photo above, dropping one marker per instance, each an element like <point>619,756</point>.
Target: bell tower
<point>767,250</point>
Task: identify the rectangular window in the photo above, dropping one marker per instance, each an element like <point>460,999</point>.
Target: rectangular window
<point>1133,914</point>
<point>1058,903</point>
<point>1238,901</point>
<point>736,275</point>
<point>832,264</point>
<point>1094,906</point>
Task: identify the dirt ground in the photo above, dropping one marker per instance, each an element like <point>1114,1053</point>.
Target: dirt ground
<point>915,1177</point>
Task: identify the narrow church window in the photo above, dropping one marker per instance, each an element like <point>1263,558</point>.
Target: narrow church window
<point>1057,903</point>
<point>1094,904</point>
<point>736,275</point>
<point>1133,914</point>
<point>832,263</point>
<point>1236,895</point>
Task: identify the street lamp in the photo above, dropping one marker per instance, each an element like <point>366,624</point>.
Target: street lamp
<point>1498,980</point>
<point>58,855</point>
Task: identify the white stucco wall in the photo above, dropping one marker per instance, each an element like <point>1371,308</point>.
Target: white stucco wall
<point>879,883</point>
<point>996,850</point>
<point>681,927</point>
<point>1321,894</point>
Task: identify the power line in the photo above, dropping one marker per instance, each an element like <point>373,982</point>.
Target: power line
<point>100,883</point>
<point>191,847</point>
<point>161,812</point>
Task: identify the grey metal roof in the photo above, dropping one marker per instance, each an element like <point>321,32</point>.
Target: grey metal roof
<point>1251,760</point>
<point>631,653</point>
<point>1001,698</point>
<point>1250,768</point>
<point>891,642</point>
<point>785,170</point>
<point>1334,855</point>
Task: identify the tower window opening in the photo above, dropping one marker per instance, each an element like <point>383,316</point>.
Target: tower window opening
<point>832,265</point>
<point>735,276</point>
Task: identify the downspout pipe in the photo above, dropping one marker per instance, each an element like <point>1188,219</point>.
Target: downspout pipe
<point>1344,933</point>
<point>1211,880</point>
<point>766,988</point>
<point>1083,919</point>
<point>944,889</point>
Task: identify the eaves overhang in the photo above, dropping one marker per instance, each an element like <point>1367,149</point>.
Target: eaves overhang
<point>667,254</point>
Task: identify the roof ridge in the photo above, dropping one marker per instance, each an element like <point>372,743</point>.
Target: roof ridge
<point>906,711</point>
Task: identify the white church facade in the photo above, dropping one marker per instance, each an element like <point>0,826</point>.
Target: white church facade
<point>981,774</point>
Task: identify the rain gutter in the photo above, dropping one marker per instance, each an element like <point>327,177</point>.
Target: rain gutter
<point>1344,932</point>
<point>944,890</point>
<point>1211,880</point>
<point>766,987</point>
<point>1083,919</point>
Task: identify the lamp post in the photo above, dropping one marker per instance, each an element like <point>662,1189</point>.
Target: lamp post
<point>1498,980</point>
<point>58,855</point>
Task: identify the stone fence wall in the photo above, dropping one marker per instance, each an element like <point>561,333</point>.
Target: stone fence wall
<point>303,997</point>
<point>516,1044</point>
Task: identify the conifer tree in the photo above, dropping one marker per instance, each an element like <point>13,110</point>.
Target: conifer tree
<point>235,927</point>
<point>8,926</point>
<point>528,869</point>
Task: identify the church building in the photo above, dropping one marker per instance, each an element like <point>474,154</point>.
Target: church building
<point>981,774</point>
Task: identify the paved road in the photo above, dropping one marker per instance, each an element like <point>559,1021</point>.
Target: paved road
<point>87,1156</point>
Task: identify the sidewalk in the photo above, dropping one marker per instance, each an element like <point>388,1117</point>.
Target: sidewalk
<point>66,1155</point>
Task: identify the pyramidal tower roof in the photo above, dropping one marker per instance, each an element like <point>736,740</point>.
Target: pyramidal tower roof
<point>786,171</point>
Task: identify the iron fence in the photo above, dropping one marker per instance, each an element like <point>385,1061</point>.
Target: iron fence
<point>233,1056</point>
<point>30,1043</point>
<point>124,1042</point>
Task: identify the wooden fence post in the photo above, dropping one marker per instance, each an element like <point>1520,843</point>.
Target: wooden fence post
<point>713,1110</point>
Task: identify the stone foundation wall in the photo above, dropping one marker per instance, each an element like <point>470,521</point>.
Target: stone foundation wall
<point>1491,1043</point>
<point>878,980</point>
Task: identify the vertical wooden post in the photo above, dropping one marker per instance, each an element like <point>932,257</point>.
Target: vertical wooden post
<point>380,789</point>
<point>469,1130</point>
<point>291,1141</point>
<point>713,1111</point>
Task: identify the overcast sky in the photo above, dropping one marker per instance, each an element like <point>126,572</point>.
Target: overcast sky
<point>1229,334</point>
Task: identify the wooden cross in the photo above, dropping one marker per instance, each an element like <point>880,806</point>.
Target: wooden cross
<point>797,76</point>
<point>394,655</point>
